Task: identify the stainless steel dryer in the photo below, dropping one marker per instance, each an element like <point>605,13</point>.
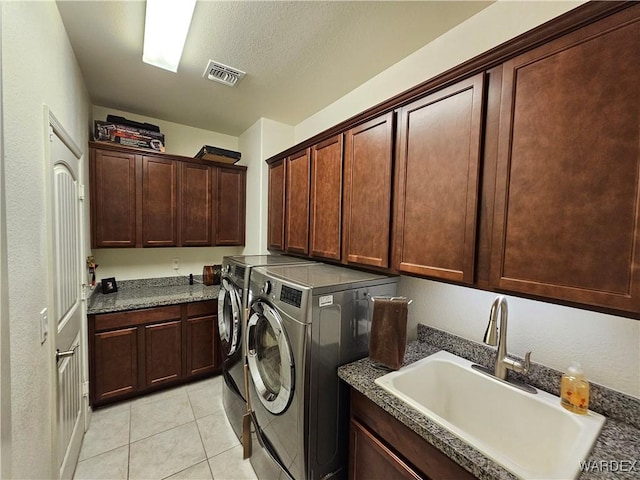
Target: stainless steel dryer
<point>305,321</point>
<point>232,302</point>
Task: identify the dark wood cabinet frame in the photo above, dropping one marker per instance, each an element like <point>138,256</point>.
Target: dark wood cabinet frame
<point>618,292</point>
<point>145,199</point>
<point>135,352</point>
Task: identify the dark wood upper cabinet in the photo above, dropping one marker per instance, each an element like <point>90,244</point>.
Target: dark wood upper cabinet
<point>163,353</point>
<point>567,219</point>
<point>368,163</point>
<point>159,202</point>
<point>326,199</point>
<point>229,213</point>
<point>113,199</point>
<point>298,178</point>
<point>437,182</point>
<point>194,214</point>
<point>141,199</point>
<point>277,176</point>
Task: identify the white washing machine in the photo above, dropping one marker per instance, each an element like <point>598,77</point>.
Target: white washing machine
<point>305,321</point>
<point>232,304</point>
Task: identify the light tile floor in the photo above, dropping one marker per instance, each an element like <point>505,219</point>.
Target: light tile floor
<point>182,433</point>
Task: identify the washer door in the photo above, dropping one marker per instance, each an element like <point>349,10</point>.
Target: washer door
<point>269,357</point>
<point>229,317</point>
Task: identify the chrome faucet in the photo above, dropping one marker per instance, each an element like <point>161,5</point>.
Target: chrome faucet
<point>503,362</point>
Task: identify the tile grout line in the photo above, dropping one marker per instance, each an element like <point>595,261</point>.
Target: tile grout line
<point>206,458</point>
<point>129,445</point>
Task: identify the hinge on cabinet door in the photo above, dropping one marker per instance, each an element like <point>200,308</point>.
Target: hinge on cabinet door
<point>81,193</point>
<point>85,389</point>
<point>50,134</point>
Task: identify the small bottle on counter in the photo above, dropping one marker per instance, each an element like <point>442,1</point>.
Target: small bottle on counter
<point>574,390</point>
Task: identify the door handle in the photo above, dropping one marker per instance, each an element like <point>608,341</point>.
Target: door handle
<point>65,354</point>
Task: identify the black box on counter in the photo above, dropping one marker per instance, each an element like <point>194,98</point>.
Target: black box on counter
<point>128,135</point>
<point>219,155</point>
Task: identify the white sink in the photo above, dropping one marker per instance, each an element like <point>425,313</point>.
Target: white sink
<point>531,435</point>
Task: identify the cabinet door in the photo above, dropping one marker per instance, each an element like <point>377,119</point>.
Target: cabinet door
<point>115,362</point>
<point>230,206</point>
<point>163,353</point>
<point>195,205</point>
<point>277,175</point>
<point>368,157</point>
<point>437,182</point>
<point>326,198</point>
<point>370,458</point>
<point>202,348</point>
<point>567,218</point>
<point>298,170</point>
<point>113,199</point>
<point>159,202</point>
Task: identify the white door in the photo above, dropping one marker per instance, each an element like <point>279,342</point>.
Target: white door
<point>67,314</point>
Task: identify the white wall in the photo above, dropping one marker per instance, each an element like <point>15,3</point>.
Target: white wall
<point>5,358</point>
<point>33,31</point>
<point>262,140</point>
<point>179,139</point>
<point>136,263</point>
<point>607,346</point>
<point>490,27</point>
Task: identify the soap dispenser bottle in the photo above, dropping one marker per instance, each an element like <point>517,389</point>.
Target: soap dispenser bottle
<point>574,390</point>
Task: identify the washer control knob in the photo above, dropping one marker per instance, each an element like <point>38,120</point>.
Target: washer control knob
<point>266,288</point>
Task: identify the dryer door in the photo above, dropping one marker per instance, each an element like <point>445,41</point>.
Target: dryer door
<point>229,317</point>
<point>270,358</point>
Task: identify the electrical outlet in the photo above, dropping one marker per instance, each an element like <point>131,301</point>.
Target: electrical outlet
<point>176,263</point>
<point>44,325</point>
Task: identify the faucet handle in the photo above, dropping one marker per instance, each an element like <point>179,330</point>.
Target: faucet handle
<point>527,362</point>
<point>518,366</point>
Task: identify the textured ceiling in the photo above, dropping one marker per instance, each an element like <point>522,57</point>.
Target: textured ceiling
<point>299,56</point>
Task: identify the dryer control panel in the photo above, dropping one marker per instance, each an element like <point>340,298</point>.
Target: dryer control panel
<point>292,296</point>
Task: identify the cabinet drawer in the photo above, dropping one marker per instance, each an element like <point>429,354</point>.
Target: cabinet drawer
<point>109,321</point>
<point>198,309</point>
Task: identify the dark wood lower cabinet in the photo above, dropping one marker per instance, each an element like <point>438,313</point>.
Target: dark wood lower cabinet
<point>383,447</point>
<point>163,352</point>
<point>115,362</point>
<point>202,351</point>
<point>138,351</point>
<point>372,459</point>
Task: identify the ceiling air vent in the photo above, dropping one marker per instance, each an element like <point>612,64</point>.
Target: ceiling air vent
<point>222,73</point>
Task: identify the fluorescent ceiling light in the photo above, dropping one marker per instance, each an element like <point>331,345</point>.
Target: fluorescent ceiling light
<point>165,30</point>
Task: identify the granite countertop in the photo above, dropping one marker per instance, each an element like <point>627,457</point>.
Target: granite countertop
<point>617,447</point>
<point>146,293</point>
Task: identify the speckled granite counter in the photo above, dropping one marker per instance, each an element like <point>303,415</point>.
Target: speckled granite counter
<point>154,292</point>
<point>619,440</point>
